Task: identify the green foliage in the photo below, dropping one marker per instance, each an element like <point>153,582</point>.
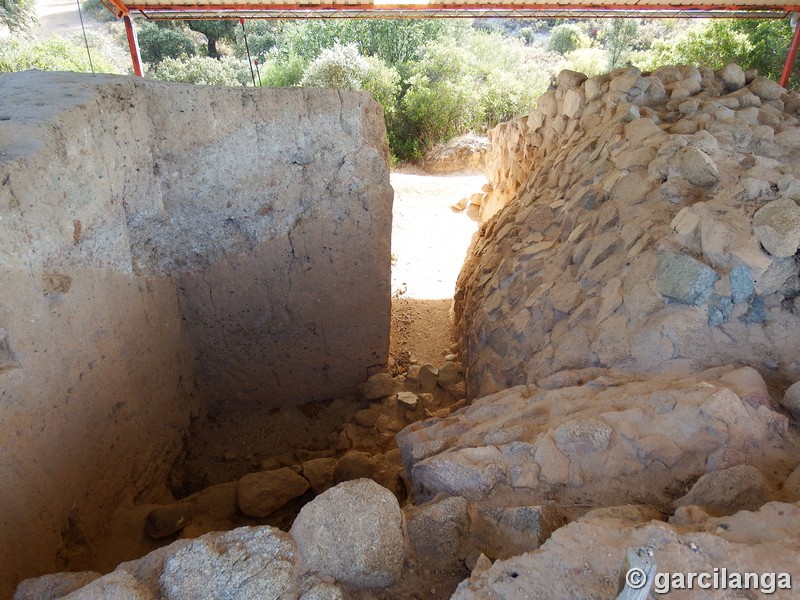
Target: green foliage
<point>383,82</point>
<point>51,54</point>
<point>157,43</point>
<point>395,41</point>
<point>343,67</point>
<point>440,110</point>
<point>589,61</point>
<point>17,15</point>
<point>263,37</point>
<point>97,9</point>
<point>528,35</point>
<point>203,70</point>
<point>712,43</point>
<point>463,85</point>
<point>279,70</point>
<point>619,36</point>
<point>340,67</point>
<point>770,41</point>
<point>215,31</point>
<point>566,38</point>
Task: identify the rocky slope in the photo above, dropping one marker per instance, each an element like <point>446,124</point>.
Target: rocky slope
<point>650,225</point>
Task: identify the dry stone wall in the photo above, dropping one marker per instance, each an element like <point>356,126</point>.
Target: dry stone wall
<point>163,247</point>
<point>646,222</point>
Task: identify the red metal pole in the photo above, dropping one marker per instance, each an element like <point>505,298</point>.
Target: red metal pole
<point>790,58</point>
<point>133,44</point>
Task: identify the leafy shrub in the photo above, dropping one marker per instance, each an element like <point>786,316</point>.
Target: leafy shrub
<point>52,54</point>
<point>343,67</point>
<point>157,43</point>
<point>440,110</point>
<point>589,61</point>
<point>279,70</point>
<point>566,38</point>
<point>340,67</point>
<point>467,85</point>
<point>711,44</point>
<point>384,83</point>
<point>203,70</point>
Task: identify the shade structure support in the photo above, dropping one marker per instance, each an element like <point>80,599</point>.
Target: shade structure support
<point>133,44</point>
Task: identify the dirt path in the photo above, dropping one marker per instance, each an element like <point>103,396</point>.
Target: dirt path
<point>60,17</point>
<point>429,244</point>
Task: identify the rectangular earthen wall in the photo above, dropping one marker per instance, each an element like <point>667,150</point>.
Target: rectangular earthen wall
<point>165,249</point>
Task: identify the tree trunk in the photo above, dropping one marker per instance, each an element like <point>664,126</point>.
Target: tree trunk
<point>212,47</point>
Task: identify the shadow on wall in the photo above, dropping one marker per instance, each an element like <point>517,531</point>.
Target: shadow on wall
<point>147,265</point>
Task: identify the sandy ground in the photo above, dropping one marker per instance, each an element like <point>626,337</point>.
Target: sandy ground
<point>429,244</point>
<point>60,17</point>
<point>430,241</point>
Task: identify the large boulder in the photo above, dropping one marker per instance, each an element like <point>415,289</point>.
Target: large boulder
<point>249,562</point>
<point>592,551</point>
<point>260,494</point>
<point>353,533</point>
<point>53,586</point>
<point>616,439</point>
<point>463,154</point>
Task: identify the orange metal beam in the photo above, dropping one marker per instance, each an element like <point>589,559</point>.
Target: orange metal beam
<point>133,44</point>
<point>117,7</point>
<point>255,6</point>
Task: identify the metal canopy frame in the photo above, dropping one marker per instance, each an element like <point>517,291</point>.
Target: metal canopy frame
<point>420,9</point>
<point>445,11</point>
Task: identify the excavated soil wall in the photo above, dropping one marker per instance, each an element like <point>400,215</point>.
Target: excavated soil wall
<point>164,250</point>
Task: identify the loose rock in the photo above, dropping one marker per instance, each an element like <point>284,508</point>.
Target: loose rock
<point>166,520</point>
<point>260,494</point>
<point>378,386</point>
<point>353,533</point>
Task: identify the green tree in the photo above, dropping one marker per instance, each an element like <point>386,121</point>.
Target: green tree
<point>17,15</point>
<point>566,38</point>
<point>157,43</point>
<point>712,43</point>
<point>215,31</point>
<point>619,36</point>
<point>398,42</point>
<point>343,67</point>
<point>770,41</point>
<point>395,41</point>
<point>263,36</point>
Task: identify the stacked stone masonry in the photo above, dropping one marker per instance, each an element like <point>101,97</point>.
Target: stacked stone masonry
<point>641,222</point>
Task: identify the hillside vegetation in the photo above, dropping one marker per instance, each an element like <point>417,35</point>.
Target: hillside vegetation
<point>435,78</point>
